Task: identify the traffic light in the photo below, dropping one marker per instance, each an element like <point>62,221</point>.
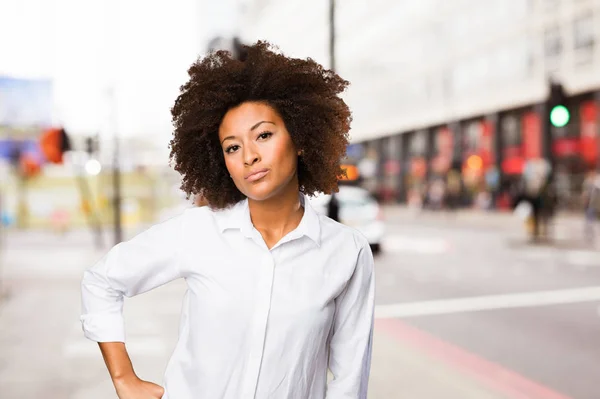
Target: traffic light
<point>54,143</point>
<point>559,114</point>
<point>91,144</point>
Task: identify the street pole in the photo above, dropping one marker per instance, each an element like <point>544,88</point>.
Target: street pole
<point>332,35</point>
<point>116,178</point>
<point>113,43</point>
<point>597,132</point>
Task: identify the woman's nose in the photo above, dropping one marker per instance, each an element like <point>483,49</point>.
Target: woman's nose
<point>251,156</point>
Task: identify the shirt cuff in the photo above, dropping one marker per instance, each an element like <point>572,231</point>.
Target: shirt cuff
<point>103,327</point>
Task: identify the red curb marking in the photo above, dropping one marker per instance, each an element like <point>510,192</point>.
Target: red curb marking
<point>493,375</point>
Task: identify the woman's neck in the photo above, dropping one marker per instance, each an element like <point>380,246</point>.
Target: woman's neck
<point>276,216</point>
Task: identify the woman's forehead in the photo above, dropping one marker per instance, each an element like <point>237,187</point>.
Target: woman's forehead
<point>246,115</point>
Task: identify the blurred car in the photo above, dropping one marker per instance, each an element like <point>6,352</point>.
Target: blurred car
<point>358,209</point>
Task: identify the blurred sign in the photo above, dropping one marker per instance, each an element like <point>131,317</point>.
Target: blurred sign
<point>25,102</point>
<point>532,135</point>
<point>589,132</point>
<point>29,147</point>
<point>444,146</point>
<point>351,172</point>
<point>355,151</point>
<point>418,167</point>
<point>566,147</point>
<point>486,145</point>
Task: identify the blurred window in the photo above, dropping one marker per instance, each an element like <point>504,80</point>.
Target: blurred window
<point>511,132</point>
<point>583,31</point>
<point>583,39</point>
<point>551,5</point>
<point>553,45</point>
<point>472,135</point>
<point>418,143</point>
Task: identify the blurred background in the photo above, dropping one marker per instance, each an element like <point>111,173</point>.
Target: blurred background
<point>473,170</point>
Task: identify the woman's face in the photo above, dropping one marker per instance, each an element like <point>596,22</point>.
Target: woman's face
<point>259,153</point>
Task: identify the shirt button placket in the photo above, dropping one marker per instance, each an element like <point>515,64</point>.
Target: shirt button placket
<point>259,325</point>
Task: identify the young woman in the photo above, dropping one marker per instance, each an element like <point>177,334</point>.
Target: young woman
<point>277,294</point>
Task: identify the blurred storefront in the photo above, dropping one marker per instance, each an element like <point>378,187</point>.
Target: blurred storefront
<point>491,153</point>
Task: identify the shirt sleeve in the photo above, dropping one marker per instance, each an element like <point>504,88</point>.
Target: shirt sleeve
<point>352,338</point>
<point>147,261</point>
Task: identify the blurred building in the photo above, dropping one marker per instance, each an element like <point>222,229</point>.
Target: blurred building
<point>440,84</point>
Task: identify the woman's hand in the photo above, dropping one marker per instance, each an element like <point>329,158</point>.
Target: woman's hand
<point>134,388</point>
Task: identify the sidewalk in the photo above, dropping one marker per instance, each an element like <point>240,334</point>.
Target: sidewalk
<point>567,227</point>
<point>43,353</point>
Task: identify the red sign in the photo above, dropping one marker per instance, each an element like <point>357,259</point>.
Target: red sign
<point>513,166</point>
<point>445,149</point>
<point>566,147</point>
<point>418,167</point>
<point>589,132</point>
<point>532,136</point>
<point>512,152</point>
<point>486,148</point>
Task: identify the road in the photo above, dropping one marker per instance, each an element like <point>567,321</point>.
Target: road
<point>529,310</point>
<point>464,311</point>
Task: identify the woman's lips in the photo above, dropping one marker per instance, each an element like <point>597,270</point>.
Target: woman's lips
<point>257,175</point>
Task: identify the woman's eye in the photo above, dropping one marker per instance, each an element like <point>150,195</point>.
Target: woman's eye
<point>231,148</point>
<point>265,135</point>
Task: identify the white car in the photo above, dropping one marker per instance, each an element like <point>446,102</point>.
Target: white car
<point>358,209</point>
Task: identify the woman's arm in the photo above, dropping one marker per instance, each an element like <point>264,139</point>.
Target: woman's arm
<point>126,382</point>
<point>145,262</point>
<point>117,360</point>
<point>352,339</point>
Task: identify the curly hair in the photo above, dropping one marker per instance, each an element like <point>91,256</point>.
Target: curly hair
<point>305,95</point>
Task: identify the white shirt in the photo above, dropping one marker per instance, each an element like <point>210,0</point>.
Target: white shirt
<point>256,323</point>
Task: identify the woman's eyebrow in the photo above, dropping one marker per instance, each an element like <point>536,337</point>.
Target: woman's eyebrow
<point>228,138</point>
<point>259,123</point>
<point>251,129</point>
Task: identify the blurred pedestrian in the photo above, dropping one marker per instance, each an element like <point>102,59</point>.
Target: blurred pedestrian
<point>277,294</point>
<point>437,192</point>
<point>548,204</point>
<point>524,194</point>
<point>333,208</point>
<point>453,189</point>
<point>591,202</point>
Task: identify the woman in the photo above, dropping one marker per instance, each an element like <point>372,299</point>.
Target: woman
<point>277,294</point>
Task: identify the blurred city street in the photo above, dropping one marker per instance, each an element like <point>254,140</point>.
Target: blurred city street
<point>506,340</point>
<point>472,168</point>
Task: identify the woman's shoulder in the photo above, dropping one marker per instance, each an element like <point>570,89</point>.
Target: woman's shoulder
<point>344,235</point>
<point>203,218</point>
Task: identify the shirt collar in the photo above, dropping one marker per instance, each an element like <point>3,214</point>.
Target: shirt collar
<point>238,217</point>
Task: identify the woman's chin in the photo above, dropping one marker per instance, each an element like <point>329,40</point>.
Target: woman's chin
<point>263,192</point>
<point>259,192</point>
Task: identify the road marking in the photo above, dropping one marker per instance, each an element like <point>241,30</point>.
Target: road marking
<point>403,244</point>
<point>489,302</point>
<point>498,379</point>
<point>584,259</point>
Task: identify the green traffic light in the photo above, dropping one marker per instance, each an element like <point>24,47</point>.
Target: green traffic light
<point>559,116</point>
